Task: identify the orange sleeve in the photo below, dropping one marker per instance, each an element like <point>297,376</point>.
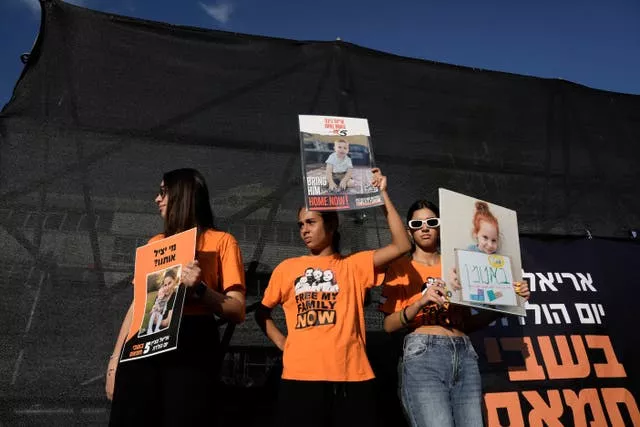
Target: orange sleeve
<point>378,276</point>
<point>232,268</point>
<point>368,276</point>
<point>273,293</point>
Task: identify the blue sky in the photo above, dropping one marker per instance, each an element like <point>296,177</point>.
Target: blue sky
<point>594,43</point>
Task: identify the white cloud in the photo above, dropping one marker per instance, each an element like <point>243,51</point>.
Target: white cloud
<point>221,12</point>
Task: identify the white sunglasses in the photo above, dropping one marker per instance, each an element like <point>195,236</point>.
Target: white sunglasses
<point>417,224</point>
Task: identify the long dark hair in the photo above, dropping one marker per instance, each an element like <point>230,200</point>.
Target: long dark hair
<point>188,204</point>
<point>423,204</point>
<point>331,223</point>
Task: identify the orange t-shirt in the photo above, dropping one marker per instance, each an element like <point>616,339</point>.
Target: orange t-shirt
<point>404,282</point>
<point>220,260</point>
<point>323,302</point>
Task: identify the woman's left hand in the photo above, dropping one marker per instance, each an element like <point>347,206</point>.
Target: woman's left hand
<point>453,278</point>
<point>433,294</point>
<point>191,274</point>
<point>522,289</point>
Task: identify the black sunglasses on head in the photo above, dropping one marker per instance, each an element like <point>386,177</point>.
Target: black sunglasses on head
<point>162,192</point>
<point>416,224</point>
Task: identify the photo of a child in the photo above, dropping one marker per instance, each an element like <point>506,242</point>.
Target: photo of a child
<point>339,167</point>
<point>493,232</point>
<point>162,287</point>
<point>486,230</point>
<point>336,160</point>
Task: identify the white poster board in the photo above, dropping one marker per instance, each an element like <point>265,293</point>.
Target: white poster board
<point>460,237</point>
<point>485,279</point>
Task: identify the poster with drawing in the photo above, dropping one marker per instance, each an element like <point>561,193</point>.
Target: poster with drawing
<point>158,295</point>
<point>479,241</point>
<point>337,158</point>
<point>485,278</point>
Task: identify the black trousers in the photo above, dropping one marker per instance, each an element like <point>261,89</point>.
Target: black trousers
<point>326,404</point>
<point>177,388</point>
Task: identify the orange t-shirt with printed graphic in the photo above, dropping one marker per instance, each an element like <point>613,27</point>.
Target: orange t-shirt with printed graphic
<point>404,281</point>
<point>323,302</point>
<point>220,260</point>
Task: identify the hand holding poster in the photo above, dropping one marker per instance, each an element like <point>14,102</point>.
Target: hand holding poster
<point>480,251</point>
<point>158,296</point>
<point>336,163</point>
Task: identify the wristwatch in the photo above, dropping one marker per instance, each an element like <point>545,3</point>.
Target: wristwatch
<point>200,289</point>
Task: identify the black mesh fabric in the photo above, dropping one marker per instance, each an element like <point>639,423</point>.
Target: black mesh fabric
<point>107,103</point>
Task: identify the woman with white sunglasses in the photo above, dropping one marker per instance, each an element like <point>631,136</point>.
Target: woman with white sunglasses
<point>439,377</point>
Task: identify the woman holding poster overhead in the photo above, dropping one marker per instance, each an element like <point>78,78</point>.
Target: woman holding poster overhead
<point>439,378</point>
<point>178,387</point>
<point>326,378</point>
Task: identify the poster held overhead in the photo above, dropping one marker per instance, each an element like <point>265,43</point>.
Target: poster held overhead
<point>337,158</point>
<point>158,295</point>
<point>480,242</point>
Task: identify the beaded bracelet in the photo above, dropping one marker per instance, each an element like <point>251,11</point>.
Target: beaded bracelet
<point>403,317</point>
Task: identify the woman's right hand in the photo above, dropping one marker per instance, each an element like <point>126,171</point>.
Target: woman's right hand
<point>111,379</point>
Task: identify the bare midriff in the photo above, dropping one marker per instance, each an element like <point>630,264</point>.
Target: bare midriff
<point>438,330</point>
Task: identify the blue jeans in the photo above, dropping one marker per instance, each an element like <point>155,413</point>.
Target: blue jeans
<point>440,381</point>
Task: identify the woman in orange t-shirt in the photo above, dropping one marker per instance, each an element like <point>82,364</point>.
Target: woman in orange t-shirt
<point>439,377</point>
<point>326,378</point>
<point>178,387</point>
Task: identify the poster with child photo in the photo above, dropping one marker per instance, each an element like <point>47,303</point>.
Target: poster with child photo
<point>158,296</point>
<point>480,251</point>
<point>336,163</point>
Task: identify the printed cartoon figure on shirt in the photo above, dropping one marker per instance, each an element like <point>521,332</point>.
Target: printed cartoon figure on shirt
<point>328,282</point>
<point>316,295</point>
<point>433,314</point>
<point>316,280</point>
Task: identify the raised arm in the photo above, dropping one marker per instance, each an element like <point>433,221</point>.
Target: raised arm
<point>268,326</point>
<point>400,243</point>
